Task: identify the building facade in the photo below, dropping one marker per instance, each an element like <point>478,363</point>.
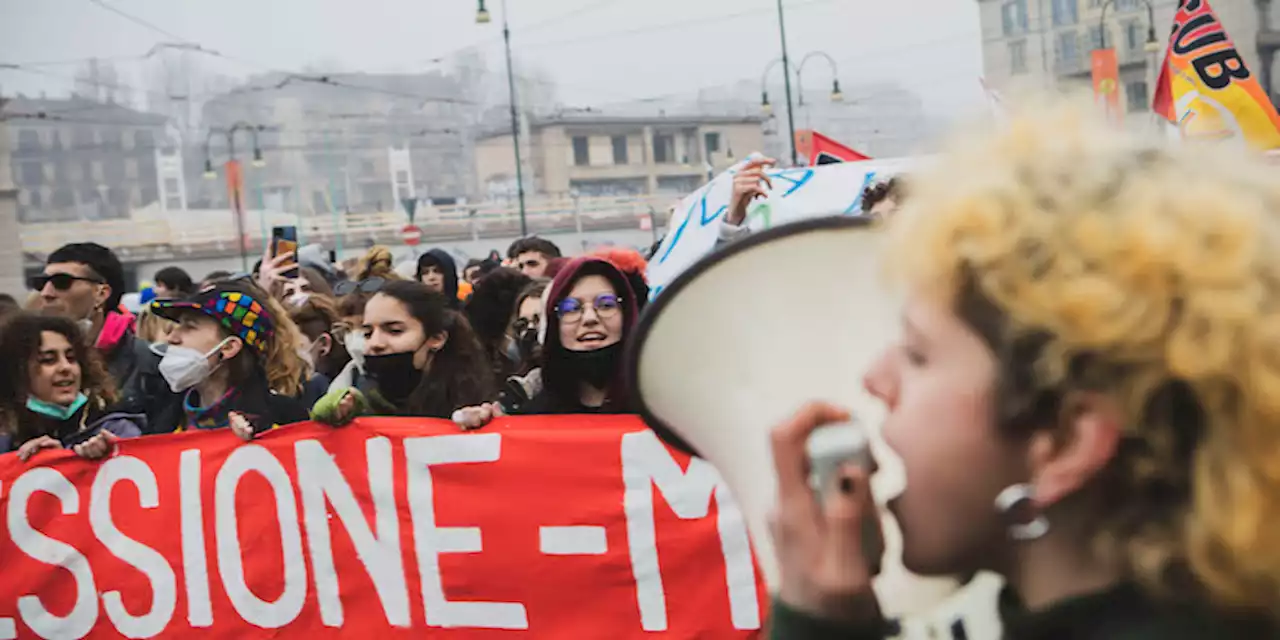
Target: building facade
<point>11,261</point>
<point>1049,42</point>
<point>76,159</point>
<point>590,154</point>
<point>354,142</point>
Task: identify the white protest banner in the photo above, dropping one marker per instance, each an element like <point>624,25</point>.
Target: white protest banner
<point>799,193</point>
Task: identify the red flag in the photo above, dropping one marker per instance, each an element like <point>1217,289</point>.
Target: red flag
<point>820,149</point>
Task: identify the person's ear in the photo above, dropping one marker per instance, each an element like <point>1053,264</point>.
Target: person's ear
<point>101,293</point>
<point>436,342</point>
<point>231,348</point>
<point>1064,460</point>
<point>326,343</point>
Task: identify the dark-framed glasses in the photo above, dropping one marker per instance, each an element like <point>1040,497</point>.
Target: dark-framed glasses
<point>570,310</point>
<point>60,281</point>
<point>368,285</point>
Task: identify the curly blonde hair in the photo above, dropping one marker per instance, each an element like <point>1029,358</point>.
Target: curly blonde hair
<point>1092,259</point>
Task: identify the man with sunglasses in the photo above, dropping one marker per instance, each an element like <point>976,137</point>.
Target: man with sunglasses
<point>84,282</point>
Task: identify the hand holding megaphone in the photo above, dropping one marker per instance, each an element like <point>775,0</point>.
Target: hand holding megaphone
<point>829,541</point>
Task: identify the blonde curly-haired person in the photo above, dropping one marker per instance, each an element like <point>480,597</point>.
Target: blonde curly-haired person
<point>1085,397</point>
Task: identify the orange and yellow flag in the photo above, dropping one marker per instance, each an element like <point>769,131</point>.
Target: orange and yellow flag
<point>1205,87</point>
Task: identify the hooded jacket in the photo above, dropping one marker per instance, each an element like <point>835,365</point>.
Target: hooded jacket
<point>442,259</point>
<point>560,386</point>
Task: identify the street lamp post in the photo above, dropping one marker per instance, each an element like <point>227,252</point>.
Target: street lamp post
<point>788,69</point>
<point>786,65</point>
<point>1152,45</point>
<point>235,176</point>
<point>482,17</point>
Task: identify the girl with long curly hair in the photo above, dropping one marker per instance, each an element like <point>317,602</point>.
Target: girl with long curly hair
<point>55,391</point>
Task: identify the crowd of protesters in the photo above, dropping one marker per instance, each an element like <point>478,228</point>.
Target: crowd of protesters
<point>1101,348</point>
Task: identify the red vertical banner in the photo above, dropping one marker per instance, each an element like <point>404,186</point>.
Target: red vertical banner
<point>235,185</point>
<point>1106,81</point>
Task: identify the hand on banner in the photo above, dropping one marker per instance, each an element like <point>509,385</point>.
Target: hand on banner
<point>271,276</point>
<point>97,447</point>
<point>34,445</point>
<point>339,407</point>
<point>472,418</point>
<point>240,426</point>
<point>750,183</point>
<point>820,555</point>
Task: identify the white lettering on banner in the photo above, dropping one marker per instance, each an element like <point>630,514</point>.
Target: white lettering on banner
<point>321,482</point>
<point>140,556</point>
<point>195,567</point>
<point>646,463</point>
<point>573,541</point>
<point>430,541</point>
<point>42,548</point>
<point>269,615</point>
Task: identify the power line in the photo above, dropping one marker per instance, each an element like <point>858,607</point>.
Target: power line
<point>139,21</point>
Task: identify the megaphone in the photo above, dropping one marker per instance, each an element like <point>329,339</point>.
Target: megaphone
<point>738,342</point>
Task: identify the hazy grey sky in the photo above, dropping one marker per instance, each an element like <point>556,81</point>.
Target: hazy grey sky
<point>598,51</point>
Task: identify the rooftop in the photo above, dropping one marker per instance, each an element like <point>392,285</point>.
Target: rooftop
<point>77,110</point>
<point>596,118</point>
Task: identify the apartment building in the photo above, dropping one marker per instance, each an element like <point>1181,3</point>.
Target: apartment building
<point>77,159</point>
<point>352,142</point>
<point>592,154</point>
<point>1048,42</point>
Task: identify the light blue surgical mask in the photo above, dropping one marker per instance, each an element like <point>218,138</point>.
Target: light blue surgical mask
<point>56,411</point>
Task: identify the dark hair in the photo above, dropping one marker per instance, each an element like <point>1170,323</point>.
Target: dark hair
<point>316,317</point>
<point>19,344</point>
<point>316,280</point>
<point>214,276</point>
<point>533,243</point>
<point>489,310</point>
<point>100,260</point>
<point>459,376</point>
<point>175,279</point>
<point>8,305</point>
<point>352,304</point>
<point>873,195</point>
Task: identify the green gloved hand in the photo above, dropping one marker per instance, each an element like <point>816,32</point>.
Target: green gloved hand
<point>339,407</point>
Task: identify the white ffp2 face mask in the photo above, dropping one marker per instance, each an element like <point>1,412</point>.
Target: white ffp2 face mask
<point>183,367</point>
<point>354,343</point>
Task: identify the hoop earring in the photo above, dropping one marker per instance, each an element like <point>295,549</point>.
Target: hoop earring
<point>1017,495</point>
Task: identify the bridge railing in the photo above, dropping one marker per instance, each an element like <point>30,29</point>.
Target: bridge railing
<point>198,230</point>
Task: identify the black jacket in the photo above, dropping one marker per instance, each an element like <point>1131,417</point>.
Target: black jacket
<point>1124,612</point>
<point>263,408</point>
<point>136,372</point>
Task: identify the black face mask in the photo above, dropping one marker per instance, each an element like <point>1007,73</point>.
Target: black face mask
<point>598,367</point>
<point>395,374</point>
<point>528,344</point>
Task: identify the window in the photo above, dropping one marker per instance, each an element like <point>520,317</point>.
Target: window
<point>620,150</point>
<point>1068,49</point>
<point>1014,16</point>
<point>63,198</point>
<point>171,187</point>
<point>1065,13</point>
<point>89,173</point>
<point>581,151</point>
<point>30,174</point>
<point>366,167</point>
<point>28,140</point>
<point>147,167</point>
<point>1127,5</point>
<point>149,195</point>
<point>83,138</point>
<point>712,140</point>
<point>1134,38</point>
<point>35,197</point>
<point>664,148</point>
<point>1096,33</point>
<point>402,177</point>
<point>1136,95</point>
<point>143,140</point>
<point>1018,57</point>
<point>115,170</point>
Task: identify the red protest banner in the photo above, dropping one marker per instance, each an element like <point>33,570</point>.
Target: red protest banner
<point>557,527</point>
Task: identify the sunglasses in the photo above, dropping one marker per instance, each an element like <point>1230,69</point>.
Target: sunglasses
<point>370,285</point>
<point>60,281</point>
<point>606,305</point>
